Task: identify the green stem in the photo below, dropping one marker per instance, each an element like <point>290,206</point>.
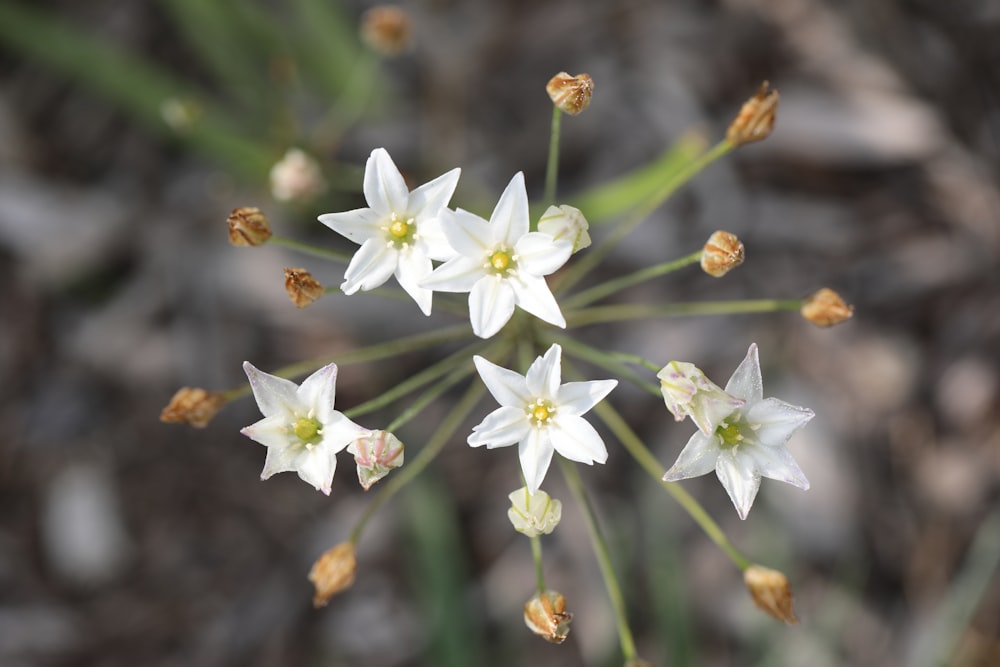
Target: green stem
<point>600,547</point>
<point>536,554</point>
<point>552,168</point>
<point>610,361</point>
<point>610,287</point>
<point>428,396</point>
<point>309,249</point>
<point>620,313</point>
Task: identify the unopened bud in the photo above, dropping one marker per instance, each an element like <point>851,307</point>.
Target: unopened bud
<point>770,592</point>
<point>387,30</point>
<point>194,406</point>
<point>722,253</point>
<point>687,392</point>
<point>376,454</point>
<point>333,572</point>
<point>533,514</point>
<point>566,222</point>
<point>546,616</point>
<point>755,120</point>
<point>248,226</point>
<point>825,308</point>
<point>296,176</point>
<point>302,287</point>
<point>570,93</point>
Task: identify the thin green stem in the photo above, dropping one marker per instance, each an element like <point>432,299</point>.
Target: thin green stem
<point>623,312</point>
<point>552,168</point>
<point>310,249</point>
<point>597,292</point>
<point>610,361</point>
<point>428,396</point>
<point>600,547</point>
<point>536,554</point>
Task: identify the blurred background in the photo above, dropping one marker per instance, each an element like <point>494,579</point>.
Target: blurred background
<point>128,130</point>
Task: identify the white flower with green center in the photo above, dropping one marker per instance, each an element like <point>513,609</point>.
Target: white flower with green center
<point>541,415</point>
<point>400,231</point>
<point>747,444</point>
<point>300,428</point>
<point>501,264</point>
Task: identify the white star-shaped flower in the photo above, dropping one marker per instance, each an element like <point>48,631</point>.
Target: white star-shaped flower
<point>501,264</point>
<point>748,443</point>
<point>300,428</point>
<point>400,231</point>
<point>541,415</point>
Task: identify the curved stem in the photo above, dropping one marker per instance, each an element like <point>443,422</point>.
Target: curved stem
<point>552,168</point>
<point>309,249</point>
<point>610,361</point>
<point>610,287</point>
<point>619,313</point>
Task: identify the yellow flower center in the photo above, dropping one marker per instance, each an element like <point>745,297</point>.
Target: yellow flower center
<point>307,430</point>
<point>401,231</point>
<point>730,434</point>
<point>502,262</point>
<point>541,412</point>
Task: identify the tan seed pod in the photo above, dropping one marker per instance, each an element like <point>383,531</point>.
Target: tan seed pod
<point>248,226</point>
<point>302,287</point>
<point>755,121</point>
<point>570,93</point>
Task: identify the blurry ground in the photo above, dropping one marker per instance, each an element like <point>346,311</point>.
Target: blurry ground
<point>125,541</point>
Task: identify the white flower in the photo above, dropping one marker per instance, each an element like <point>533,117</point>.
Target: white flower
<point>400,231</point>
<point>533,515</point>
<point>747,444</point>
<point>566,222</point>
<point>688,393</point>
<point>300,428</point>
<point>541,415</point>
<point>296,176</point>
<point>501,264</point>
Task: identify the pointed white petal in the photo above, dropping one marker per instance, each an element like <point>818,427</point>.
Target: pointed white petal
<point>506,386</point>
<point>533,295</point>
<point>777,463</point>
<point>539,254</point>
<point>280,459</point>
<point>272,432</point>
<point>385,189</point>
<point>576,398</point>
<point>432,196</point>
<point>413,267</point>
<point>456,275</point>
<point>491,303</point>
<point>318,392</point>
<point>503,427</point>
<point>740,478</point>
<point>545,373</point>
<point>339,432</point>
<point>432,240</point>
<point>535,454</point>
<point>509,221</point>
<point>358,225</point>
<point>274,395</point>
<point>746,382</point>
<point>775,421</point>
<point>577,440</point>
<point>316,467</point>
<point>371,266</point>
<point>697,458</point>
<point>467,233</point>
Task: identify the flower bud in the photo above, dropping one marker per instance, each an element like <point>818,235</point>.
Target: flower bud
<point>755,120</point>
<point>770,592</point>
<point>194,406</point>
<point>248,226</point>
<point>296,176</point>
<point>376,454</point>
<point>535,514</point>
<point>722,253</point>
<point>333,572</point>
<point>546,616</point>
<point>302,287</point>
<point>570,93</point>
<point>825,308</point>
<point>387,30</point>
<point>688,393</point>
<point>566,222</point>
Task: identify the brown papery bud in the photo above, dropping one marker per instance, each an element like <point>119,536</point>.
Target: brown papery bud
<point>333,572</point>
<point>546,616</point>
<point>302,287</point>
<point>194,406</point>
<point>825,308</point>
<point>248,226</point>
<point>570,93</point>
<point>770,592</point>
<point>387,30</point>
<point>722,253</point>
<point>755,120</point>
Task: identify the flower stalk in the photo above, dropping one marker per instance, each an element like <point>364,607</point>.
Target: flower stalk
<point>552,167</point>
<point>624,312</point>
<point>610,287</point>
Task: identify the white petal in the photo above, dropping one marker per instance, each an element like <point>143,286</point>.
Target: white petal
<point>270,431</point>
<point>698,457</point>
<point>576,398</point>
<point>281,459</point>
<point>535,454</point>
<point>339,432</point>
<point>777,463</point>
<point>456,275</point>
<point>491,303</point>
<point>432,240</point>
<point>413,267</point>
<point>372,265</point>
<point>746,382</point>
<point>545,373</point>
<point>533,295</point>
<point>467,233</point>
<point>274,395</point>
<point>316,467</point>
<point>577,440</point>
<point>539,254</point>
<point>318,391</point>
<point>775,421</point>
<point>501,428</point>
<point>358,225</point>
<point>506,386</point>
<point>509,221</point>
<point>740,478</point>
<point>432,196</point>
<point>385,189</point>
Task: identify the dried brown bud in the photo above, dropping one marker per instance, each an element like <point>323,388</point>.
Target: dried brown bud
<point>770,592</point>
<point>825,308</point>
<point>333,572</point>
<point>546,616</point>
<point>302,287</point>
<point>722,253</point>
<point>248,226</point>
<point>194,406</point>
<point>755,120</point>
<point>387,30</point>
<point>570,93</point>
